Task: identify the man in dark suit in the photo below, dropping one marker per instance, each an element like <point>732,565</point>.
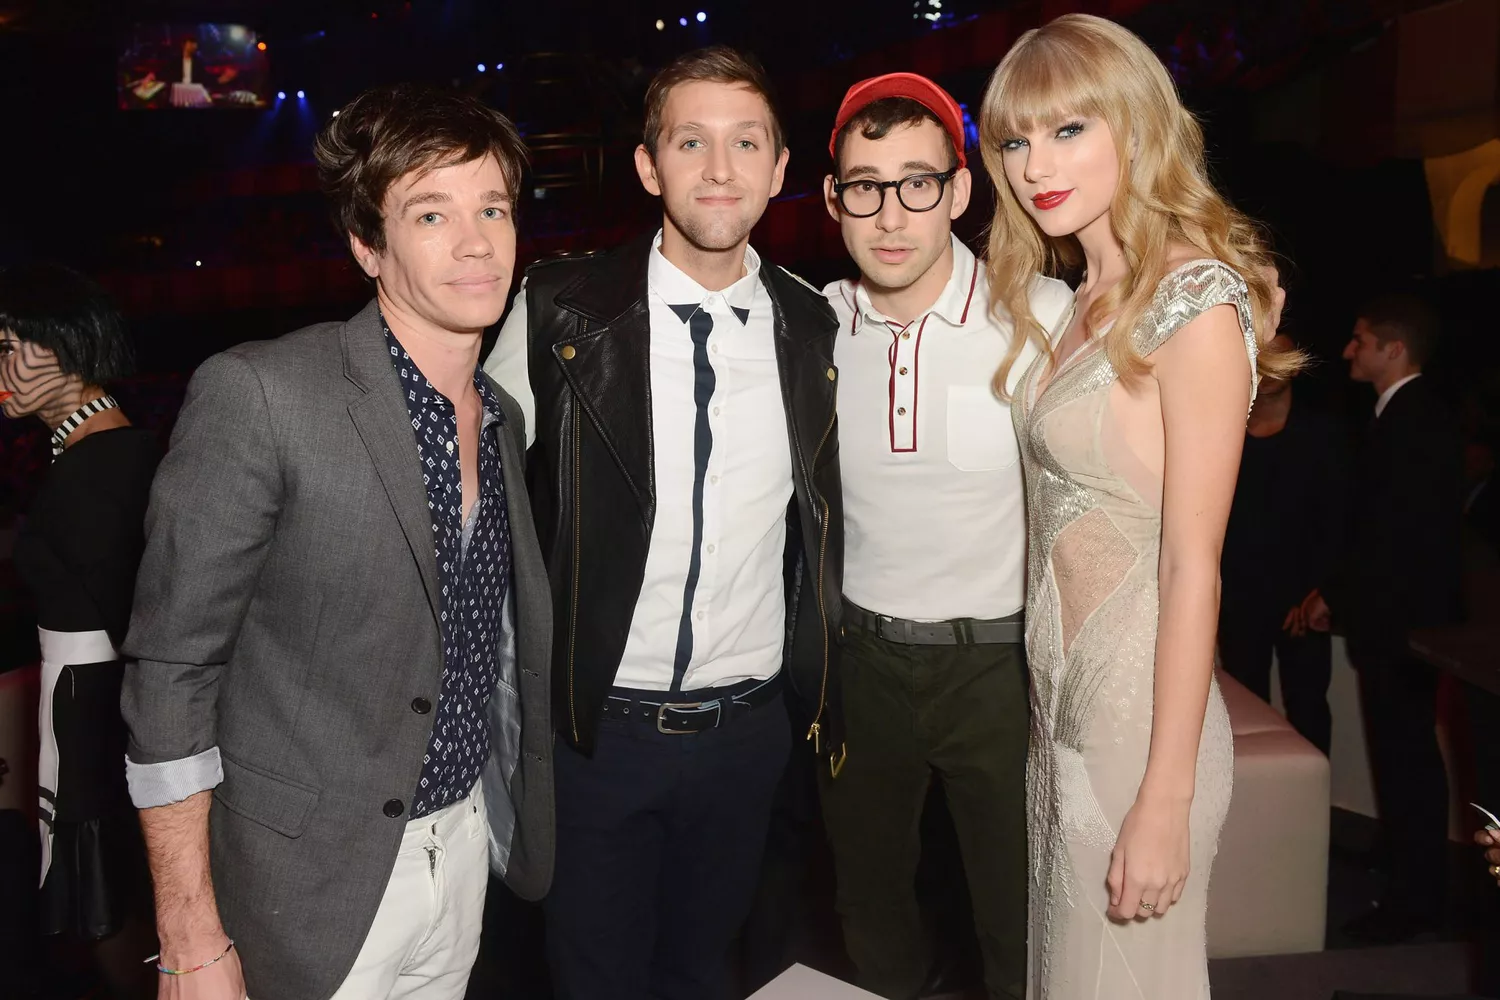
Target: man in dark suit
<point>686,486</point>
<point>1401,572</point>
<point>340,718</point>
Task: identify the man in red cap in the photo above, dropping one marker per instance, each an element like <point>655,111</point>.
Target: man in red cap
<point>934,665</point>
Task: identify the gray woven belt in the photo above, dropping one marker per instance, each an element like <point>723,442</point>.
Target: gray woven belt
<point>958,632</point>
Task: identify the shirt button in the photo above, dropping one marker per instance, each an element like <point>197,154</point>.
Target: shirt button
<point>710,548</point>
<point>903,369</point>
<point>901,411</point>
<point>906,335</point>
<point>394,808</point>
<point>421,706</point>
<point>716,348</point>
<point>716,411</point>
<point>700,616</point>
<point>714,480</point>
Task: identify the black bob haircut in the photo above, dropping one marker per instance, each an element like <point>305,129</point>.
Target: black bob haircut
<point>59,309</point>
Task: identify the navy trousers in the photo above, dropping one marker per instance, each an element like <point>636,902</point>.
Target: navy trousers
<point>659,846</point>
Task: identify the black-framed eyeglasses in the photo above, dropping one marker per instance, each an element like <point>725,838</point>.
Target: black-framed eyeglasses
<point>863,198</point>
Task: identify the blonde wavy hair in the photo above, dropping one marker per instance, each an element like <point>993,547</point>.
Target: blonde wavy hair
<point>1082,65</point>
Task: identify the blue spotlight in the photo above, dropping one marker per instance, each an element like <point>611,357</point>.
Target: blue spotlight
<point>682,21</point>
<point>281,95</point>
<point>702,17</point>
<point>481,67</point>
<point>499,67</point>
<point>301,95</point>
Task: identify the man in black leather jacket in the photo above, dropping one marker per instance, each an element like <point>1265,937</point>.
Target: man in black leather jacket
<point>685,482</point>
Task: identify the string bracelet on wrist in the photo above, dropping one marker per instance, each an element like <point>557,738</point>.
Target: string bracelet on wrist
<point>197,968</point>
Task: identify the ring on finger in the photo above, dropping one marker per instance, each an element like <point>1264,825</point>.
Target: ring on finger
<point>1495,870</point>
<point>1148,907</point>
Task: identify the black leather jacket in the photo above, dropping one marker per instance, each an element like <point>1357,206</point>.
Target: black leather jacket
<point>593,486</point>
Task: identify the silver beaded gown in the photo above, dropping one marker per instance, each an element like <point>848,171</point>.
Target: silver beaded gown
<point>1094,513</point>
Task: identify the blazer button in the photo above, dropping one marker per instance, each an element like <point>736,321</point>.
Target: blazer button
<point>567,352</point>
<point>832,374</point>
<point>421,706</point>
<point>394,808</point>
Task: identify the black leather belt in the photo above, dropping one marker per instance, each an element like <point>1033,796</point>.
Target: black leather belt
<point>958,632</point>
<point>691,711</point>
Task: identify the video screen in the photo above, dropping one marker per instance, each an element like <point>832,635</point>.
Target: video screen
<point>192,66</point>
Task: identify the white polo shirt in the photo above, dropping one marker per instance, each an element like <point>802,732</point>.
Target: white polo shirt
<point>934,502</point>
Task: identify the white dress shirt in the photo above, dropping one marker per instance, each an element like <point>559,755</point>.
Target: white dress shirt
<point>1395,387</point>
<point>934,503</point>
<point>718,619</point>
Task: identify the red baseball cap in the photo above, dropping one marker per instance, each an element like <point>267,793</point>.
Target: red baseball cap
<point>911,85</point>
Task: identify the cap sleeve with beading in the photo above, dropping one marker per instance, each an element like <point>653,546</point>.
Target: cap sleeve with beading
<point>1188,292</point>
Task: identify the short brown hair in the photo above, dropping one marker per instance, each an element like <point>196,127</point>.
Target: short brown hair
<point>1397,316</point>
<point>878,119</point>
<point>385,133</point>
<point>715,64</point>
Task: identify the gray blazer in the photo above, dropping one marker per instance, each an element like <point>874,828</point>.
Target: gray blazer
<point>286,613</point>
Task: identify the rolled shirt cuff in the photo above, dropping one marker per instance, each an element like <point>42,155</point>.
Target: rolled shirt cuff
<point>170,781</point>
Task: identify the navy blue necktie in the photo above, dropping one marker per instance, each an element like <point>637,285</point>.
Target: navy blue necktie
<point>700,325</point>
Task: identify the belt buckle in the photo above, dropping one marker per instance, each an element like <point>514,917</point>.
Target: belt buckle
<point>661,724</point>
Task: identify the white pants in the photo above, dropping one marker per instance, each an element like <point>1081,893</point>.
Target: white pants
<point>426,932</point>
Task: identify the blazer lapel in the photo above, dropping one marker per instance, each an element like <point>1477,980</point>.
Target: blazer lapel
<point>384,425</point>
<point>533,597</point>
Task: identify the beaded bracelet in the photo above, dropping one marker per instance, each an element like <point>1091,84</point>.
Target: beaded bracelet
<point>197,968</point>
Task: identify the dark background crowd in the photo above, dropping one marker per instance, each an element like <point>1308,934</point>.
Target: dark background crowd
<point>1361,132</point>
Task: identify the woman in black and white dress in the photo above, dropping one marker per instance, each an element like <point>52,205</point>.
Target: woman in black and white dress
<point>60,342</point>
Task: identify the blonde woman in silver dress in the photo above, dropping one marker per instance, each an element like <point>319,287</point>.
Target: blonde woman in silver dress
<point>1131,423</point>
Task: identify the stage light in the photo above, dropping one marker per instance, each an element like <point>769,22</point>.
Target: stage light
<point>335,114</point>
<point>660,24</point>
<point>197,263</point>
<point>499,67</point>
<point>682,21</point>
<point>301,95</point>
<point>702,17</point>
<point>261,46</point>
<point>481,67</point>
<point>281,95</point>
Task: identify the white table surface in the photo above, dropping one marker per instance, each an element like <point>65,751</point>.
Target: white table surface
<point>801,983</point>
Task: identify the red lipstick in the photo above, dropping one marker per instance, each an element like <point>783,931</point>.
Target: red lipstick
<point>1048,200</point>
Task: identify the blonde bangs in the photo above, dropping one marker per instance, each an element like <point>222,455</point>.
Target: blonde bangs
<point>1044,86</point>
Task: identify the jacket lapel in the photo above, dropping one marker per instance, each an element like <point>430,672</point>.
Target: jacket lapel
<point>804,349</point>
<point>384,425</point>
<point>533,598</point>
<point>608,364</point>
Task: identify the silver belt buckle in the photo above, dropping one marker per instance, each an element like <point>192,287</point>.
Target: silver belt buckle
<point>661,723</point>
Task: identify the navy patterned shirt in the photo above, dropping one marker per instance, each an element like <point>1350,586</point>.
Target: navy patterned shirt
<point>473,562</point>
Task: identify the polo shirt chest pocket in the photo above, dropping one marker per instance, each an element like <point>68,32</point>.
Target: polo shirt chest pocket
<point>980,435</point>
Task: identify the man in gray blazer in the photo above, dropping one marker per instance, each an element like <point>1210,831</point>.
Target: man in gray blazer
<point>339,715</point>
